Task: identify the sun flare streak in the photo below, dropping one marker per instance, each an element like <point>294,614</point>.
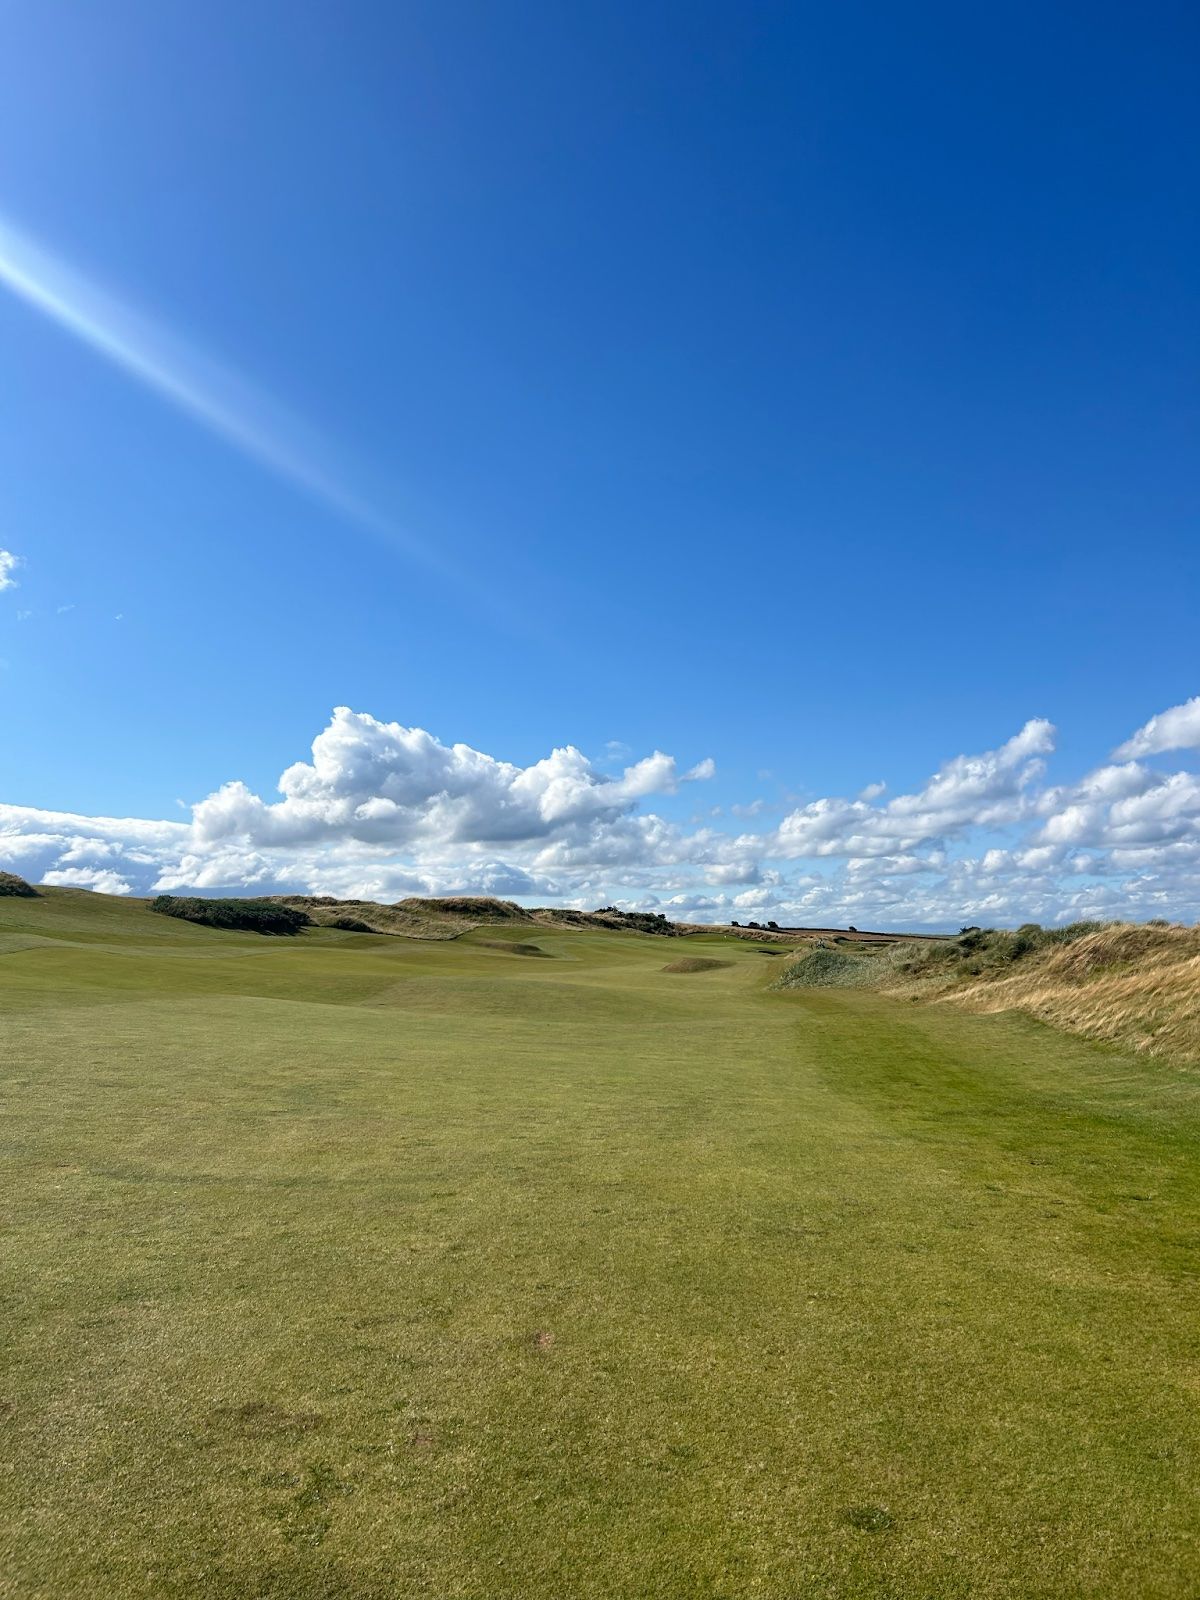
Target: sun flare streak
<point>213,396</point>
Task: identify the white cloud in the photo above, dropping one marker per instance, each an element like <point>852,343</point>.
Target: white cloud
<point>8,565</point>
<point>1175,729</point>
<point>701,772</point>
<point>968,792</point>
<point>102,880</point>
<point>380,783</point>
<point>382,810</point>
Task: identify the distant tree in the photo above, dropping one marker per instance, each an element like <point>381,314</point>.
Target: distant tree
<point>11,884</point>
<point>851,929</point>
<point>735,924</point>
<point>774,925</point>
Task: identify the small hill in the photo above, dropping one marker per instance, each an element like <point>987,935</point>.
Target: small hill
<point>1136,985</point>
<point>407,919</point>
<point>448,916</point>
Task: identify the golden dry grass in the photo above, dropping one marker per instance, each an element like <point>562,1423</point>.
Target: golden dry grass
<point>1137,986</point>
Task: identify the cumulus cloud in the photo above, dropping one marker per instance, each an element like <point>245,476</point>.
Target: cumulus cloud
<point>1175,729</point>
<point>8,565</point>
<point>102,879</point>
<point>381,810</point>
<point>380,783</point>
<point>968,792</point>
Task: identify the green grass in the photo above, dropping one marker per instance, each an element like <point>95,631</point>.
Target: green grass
<point>355,1267</point>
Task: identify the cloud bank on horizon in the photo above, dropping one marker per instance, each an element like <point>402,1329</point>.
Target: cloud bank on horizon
<point>382,811</point>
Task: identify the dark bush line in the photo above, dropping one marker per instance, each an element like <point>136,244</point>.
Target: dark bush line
<point>254,916</point>
<point>640,921</point>
<point>11,884</point>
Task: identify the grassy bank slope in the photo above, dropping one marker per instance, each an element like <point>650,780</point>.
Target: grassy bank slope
<point>1136,986</point>
<point>1133,985</point>
<point>356,1268</point>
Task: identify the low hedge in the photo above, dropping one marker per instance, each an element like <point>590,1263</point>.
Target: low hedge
<point>11,884</point>
<point>254,916</point>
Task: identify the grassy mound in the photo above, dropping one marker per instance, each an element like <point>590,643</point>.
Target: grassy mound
<point>252,916</point>
<point>1132,984</point>
<point>448,916</point>
<point>469,907</point>
<point>1138,986</point>
<point>413,918</point>
<point>11,884</point>
<point>695,964</point>
<point>824,968</point>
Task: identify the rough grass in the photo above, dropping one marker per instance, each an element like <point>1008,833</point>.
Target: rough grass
<point>451,916</point>
<point>695,964</point>
<point>411,919</point>
<point>823,968</point>
<point>344,1268</point>
<point>1136,986</point>
<point>1133,985</point>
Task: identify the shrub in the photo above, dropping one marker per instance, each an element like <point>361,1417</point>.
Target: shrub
<point>823,968</point>
<point>11,884</point>
<point>254,916</point>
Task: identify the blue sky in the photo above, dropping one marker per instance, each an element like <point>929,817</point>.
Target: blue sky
<point>808,389</point>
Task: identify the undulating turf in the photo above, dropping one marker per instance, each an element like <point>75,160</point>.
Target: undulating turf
<point>353,1267</point>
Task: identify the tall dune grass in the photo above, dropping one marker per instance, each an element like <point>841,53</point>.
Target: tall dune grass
<point>1137,985</point>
